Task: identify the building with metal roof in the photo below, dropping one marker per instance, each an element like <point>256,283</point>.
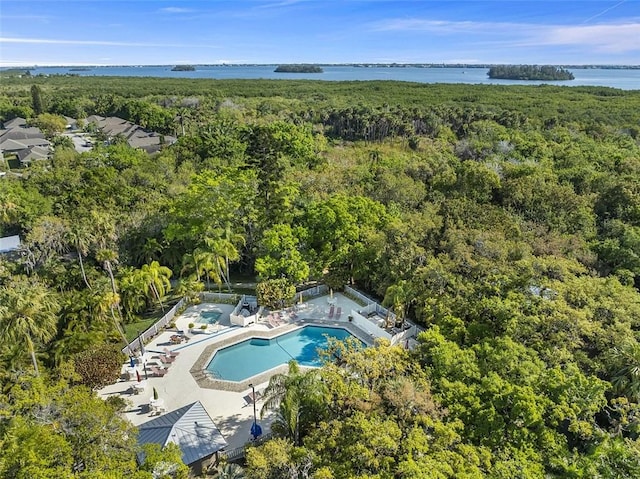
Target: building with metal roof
<point>190,427</point>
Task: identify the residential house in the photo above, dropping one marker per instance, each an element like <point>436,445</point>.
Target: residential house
<point>25,143</point>
<point>15,123</point>
<point>135,135</point>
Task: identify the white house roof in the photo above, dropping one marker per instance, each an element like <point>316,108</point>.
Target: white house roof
<point>190,427</point>
<point>9,243</point>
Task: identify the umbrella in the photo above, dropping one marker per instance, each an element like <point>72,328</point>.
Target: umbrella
<point>331,293</point>
<point>141,344</point>
<point>132,361</point>
<point>138,376</point>
<point>256,430</point>
<point>155,394</point>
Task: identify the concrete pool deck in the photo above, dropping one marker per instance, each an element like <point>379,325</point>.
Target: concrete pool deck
<point>185,381</point>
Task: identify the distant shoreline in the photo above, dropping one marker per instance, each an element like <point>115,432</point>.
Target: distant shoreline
<point>354,65</point>
<point>626,79</point>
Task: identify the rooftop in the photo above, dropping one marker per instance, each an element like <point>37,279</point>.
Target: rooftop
<point>190,427</point>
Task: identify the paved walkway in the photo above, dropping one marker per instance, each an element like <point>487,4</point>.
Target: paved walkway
<point>229,409</point>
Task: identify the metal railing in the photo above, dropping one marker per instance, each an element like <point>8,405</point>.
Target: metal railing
<point>361,298</point>
<point>409,330</point>
<point>239,452</point>
<point>154,329</point>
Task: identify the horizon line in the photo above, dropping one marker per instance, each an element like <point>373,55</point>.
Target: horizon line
<point>466,64</point>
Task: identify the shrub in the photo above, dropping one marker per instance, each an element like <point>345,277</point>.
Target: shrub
<point>99,366</point>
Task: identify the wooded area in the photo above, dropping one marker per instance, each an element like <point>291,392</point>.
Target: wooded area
<point>504,219</point>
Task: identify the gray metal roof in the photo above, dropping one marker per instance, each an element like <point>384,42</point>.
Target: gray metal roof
<point>190,427</point>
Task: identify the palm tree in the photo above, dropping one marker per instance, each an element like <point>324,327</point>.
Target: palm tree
<point>80,237</point>
<point>287,421</point>
<point>189,288</point>
<point>297,397</point>
<point>398,297</point>
<point>29,314</point>
<point>133,291</point>
<point>216,249</point>
<point>156,280</point>
<point>77,336</point>
<point>626,376</point>
<point>108,257</point>
<point>207,262</point>
<point>228,471</point>
<point>223,242</point>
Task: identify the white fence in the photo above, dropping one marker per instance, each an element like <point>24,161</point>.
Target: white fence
<point>313,292</point>
<point>408,330</point>
<point>154,329</point>
<point>368,326</point>
<point>371,305</point>
<point>225,298</point>
<point>249,304</point>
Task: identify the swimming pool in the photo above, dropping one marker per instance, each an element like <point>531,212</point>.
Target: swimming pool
<point>256,355</point>
<point>210,317</point>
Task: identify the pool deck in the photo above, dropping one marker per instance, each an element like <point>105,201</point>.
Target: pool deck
<point>225,401</point>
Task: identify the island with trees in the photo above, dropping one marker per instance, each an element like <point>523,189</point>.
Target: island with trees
<point>183,68</point>
<point>298,68</point>
<point>530,72</point>
<point>503,219</point>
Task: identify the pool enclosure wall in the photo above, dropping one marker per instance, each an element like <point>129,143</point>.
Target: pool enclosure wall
<point>246,311</point>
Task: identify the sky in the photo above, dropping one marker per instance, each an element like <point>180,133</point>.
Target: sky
<point>151,32</point>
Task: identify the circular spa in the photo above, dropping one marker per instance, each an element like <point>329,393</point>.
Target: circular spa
<point>256,355</point>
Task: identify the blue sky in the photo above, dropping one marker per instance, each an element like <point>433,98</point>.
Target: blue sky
<point>135,32</point>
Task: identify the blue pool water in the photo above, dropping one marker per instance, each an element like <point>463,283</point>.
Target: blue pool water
<point>254,356</point>
<point>210,317</point>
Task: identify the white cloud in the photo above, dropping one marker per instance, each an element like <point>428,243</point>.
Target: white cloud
<point>605,37</point>
<point>176,10</point>
<point>283,3</point>
<point>30,18</point>
<point>49,41</point>
<point>434,26</point>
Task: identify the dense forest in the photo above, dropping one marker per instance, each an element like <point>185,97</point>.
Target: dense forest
<point>530,72</point>
<point>183,68</point>
<point>303,68</point>
<point>503,219</point>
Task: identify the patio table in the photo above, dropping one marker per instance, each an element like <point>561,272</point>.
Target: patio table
<point>139,386</point>
<point>156,405</point>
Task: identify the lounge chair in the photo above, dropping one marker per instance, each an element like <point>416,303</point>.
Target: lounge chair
<point>167,359</point>
<point>338,312</point>
<point>331,311</point>
<point>250,398</point>
<point>273,321</point>
<point>172,354</point>
<point>158,372</point>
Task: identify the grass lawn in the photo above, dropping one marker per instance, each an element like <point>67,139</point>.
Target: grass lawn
<point>131,330</point>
